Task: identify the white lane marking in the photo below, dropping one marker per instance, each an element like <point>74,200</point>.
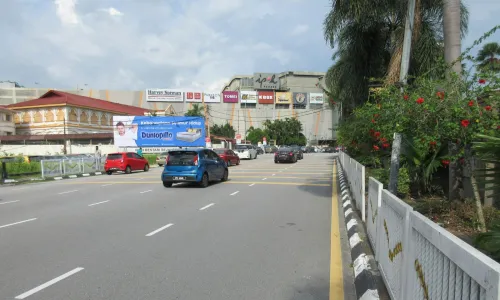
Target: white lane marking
<point>274,174</point>
<point>264,178</point>
<point>234,193</point>
<point>98,203</point>
<point>159,229</point>
<point>140,178</point>
<point>207,206</point>
<point>20,222</point>
<point>14,201</point>
<point>280,171</point>
<point>107,184</point>
<point>251,184</point>
<point>49,283</point>
<point>146,191</point>
<point>62,193</point>
<point>18,189</point>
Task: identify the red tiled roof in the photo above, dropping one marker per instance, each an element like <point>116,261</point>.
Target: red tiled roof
<point>56,97</point>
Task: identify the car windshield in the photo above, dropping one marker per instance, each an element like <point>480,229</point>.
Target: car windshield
<point>114,156</point>
<point>242,147</point>
<point>285,150</point>
<point>181,158</point>
<point>219,151</point>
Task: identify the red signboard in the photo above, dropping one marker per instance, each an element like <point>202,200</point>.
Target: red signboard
<point>266,97</point>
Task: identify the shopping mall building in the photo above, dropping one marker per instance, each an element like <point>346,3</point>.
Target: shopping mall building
<point>245,101</point>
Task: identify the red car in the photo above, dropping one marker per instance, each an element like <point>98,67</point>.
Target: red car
<point>125,162</point>
<point>228,156</point>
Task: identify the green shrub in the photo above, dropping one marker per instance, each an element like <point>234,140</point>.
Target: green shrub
<point>21,167</point>
<point>151,158</point>
<point>382,175</point>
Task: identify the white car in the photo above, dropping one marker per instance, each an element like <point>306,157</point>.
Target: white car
<point>246,152</point>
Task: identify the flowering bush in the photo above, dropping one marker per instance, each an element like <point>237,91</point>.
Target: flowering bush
<point>430,113</point>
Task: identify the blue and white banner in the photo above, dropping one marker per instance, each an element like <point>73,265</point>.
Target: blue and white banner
<point>147,131</point>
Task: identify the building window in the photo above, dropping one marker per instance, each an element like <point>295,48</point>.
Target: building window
<point>9,133</point>
<point>282,106</point>
<point>248,105</point>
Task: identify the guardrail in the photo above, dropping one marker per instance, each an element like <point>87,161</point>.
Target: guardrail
<point>60,167</point>
<point>355,174</point>
<point>417,258</point>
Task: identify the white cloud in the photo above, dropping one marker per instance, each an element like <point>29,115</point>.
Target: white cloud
<point>177,43</point>
<point>299,29</point>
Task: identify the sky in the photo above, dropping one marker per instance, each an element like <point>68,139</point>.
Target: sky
<point>188,44</point>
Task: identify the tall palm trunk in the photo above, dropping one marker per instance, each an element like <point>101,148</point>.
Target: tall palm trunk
<point>452,35</point>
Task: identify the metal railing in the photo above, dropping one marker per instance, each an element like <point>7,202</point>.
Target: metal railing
<point>417,258</point>
<point>60,167</point>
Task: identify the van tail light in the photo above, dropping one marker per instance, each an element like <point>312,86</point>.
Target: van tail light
<point>291,153</point>
<point>195,160</point>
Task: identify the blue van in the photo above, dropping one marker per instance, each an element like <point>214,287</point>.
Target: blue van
<point>199,165</point>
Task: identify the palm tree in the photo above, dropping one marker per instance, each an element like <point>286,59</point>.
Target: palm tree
<point>452,38</point>
<point>487,57</point>
<point>196,110</point>
<point>368,38</point>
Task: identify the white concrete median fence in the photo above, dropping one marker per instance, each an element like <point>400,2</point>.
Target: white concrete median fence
<point>417,258</point>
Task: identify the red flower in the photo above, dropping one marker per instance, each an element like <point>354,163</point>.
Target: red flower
<point>386,145</point>
<point>433,143</point>
<point>376,134</point>
<point>376,115</point>
<point>406,97</point>
<point>482,81</point>
<point>471,103</point>
<point>440,95</point>
<point>465,123</point>
<point>498,127</point>
<point>445,162</point>
<point>373,121</point>
<point>420,100</point>
<point>376,148</point>
<point>383,140</point>
<point>372,131</point>
<point>487,107</point>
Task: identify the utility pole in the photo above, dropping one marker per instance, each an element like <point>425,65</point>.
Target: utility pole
<point>205,108</point>
<point>405,65</point>
<point>64,136</point>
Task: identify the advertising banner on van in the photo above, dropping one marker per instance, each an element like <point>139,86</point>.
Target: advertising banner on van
<point>248,97</point>
<point>147,131</point>
<point>164,95</point>
<point>193,97</point>
<point>211,97</point>
<point>230,96</point>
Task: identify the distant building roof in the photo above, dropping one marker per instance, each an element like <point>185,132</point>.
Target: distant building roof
<point>54,98</point>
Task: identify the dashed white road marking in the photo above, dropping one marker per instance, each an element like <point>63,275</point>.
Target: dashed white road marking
<point>234,193</point>
<point>264,178</point>
<point>98,203</point>
<point>14,201</point>
<point>159,229</point>
<point>67,192</point>
<point>49,283</point>
<point>107,184</point>
<point>146,191</point>
<point>140,178</point>
<point>251,184</point>
<point>20,222</point>
<point>207,206</point>
<point>273,174</point>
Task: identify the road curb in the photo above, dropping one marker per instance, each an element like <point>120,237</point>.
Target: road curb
<point>367,279</point>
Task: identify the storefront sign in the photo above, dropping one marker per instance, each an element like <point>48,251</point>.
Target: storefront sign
<point>164,95</point>
<point>266,81</point>
<point>211,97</point>
<point>230,96</point>
<point>300,100</point>
<point>316,98</point>
<point>283,98</point>
<point>266,97</point>
<point>193,97</point>
<point>248,97</point>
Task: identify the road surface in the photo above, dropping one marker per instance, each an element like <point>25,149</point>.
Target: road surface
<point>265,234</point>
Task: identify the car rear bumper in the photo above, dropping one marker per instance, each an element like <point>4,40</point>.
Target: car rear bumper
<point>113,169</point>
<point>180,177</point>
<point>288,158</point>
<point>243,155</point>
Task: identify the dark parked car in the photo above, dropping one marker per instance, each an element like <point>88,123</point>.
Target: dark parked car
<point>298,151</point>
<point>285,155</point>
<point>259,150</point>
<point>329,150</point>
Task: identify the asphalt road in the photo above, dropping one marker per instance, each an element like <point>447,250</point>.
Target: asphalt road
<point>268,233</point>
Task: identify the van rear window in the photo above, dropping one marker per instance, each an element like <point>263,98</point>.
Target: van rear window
<point>181,158</point>
<point>114,156</point>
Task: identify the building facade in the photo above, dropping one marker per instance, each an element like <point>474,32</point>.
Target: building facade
<point>318,119</point>
<point>7,126</point>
